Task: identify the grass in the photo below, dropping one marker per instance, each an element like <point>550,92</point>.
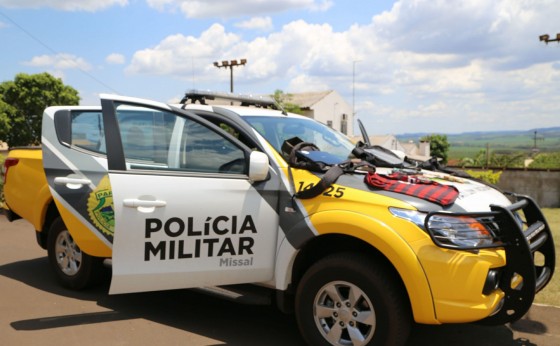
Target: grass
<point>550,295</point>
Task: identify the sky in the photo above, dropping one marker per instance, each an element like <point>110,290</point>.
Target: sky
<point>406,66</point>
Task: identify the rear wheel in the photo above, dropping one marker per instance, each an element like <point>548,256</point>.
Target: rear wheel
<point>74,269</point>
<point>345,299</point>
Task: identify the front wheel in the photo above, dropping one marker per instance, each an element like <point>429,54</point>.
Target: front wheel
<point>74,269</point>
<point>347,299</point>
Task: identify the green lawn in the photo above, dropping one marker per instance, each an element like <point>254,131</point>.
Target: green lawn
<point>551,294</point>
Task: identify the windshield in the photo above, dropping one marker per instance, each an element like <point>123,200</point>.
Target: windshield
<point>278,129</point>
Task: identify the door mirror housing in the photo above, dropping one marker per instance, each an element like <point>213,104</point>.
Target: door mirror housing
<point>258,166</point>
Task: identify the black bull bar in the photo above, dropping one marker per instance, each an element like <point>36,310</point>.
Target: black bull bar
<point>530,257</point>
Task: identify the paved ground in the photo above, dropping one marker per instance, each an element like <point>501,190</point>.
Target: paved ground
<point>34,310</point>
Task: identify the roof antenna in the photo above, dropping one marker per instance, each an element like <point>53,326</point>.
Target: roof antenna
<point>278,105</point>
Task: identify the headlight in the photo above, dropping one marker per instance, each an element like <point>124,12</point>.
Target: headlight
<point>466,232</point>
<point>414,216</point>
<point>469,231</point>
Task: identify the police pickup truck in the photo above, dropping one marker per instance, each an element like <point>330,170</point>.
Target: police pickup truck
<point>357,243</point>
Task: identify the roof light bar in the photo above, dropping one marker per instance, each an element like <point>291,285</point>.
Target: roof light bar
<point>245,100</point>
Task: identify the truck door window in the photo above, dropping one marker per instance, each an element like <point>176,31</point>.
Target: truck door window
<point>203,150</point>
<point>160,140</point>
<point>145,135</point>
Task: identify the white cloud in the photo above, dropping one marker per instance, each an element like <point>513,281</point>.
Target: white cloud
<point>174,54</point>
<point>431,64</point>
<point>115,59</point>
<point>61,61</point>
<point>64,5</point>
<point>238,8</point>
<point>470,29</point>
<point>256,23</point>
<point>305,83</point>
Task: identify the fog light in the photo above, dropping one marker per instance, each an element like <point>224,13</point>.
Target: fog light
<point>492,281</point>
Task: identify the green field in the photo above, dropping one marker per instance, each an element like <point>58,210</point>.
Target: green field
<point>505,142</point>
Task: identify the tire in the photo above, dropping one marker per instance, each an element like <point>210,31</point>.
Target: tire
<point>347,299</point>
<point>74,268</point>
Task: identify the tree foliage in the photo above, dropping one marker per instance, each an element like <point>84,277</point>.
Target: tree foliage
<point>282,100</point>
<point>22,102</point>
<point>513,160</point>
<point>439,147</point>
<point>546,161</point>
<point>489,176</point>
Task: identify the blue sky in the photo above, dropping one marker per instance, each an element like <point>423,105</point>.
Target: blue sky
<point>440,66</point>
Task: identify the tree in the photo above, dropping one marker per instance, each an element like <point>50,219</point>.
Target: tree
<point>282,100</point>
<point>439,147</point>
<point>492,159</point>
<point>546,161</point>
<point>22,102</point>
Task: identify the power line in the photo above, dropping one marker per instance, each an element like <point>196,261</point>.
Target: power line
<point>36,39</point>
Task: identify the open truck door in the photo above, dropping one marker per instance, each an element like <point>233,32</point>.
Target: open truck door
<point>173,199</point>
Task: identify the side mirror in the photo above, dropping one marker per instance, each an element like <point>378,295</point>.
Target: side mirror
<point>258,166</point>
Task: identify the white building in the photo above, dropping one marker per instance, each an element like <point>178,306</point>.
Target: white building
<point>327,107</point>
<point>418,152</point>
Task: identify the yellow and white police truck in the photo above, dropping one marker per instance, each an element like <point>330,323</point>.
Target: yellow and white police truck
<point>357,242</point>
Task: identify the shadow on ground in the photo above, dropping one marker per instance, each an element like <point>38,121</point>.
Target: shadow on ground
<point>231,323</point>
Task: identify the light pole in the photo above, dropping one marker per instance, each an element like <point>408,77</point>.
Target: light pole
<point>546,38</point>
<point>231,63</point>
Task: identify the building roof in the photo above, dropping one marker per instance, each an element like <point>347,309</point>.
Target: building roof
<point>380,140</point>
<point>410,147</point>
<point>307,99</point>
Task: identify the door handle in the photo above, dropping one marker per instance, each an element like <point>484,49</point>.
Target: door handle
<point>72,183</point>
<point>142,203</point>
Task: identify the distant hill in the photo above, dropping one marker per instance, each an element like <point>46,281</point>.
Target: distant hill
<point>548,139</point>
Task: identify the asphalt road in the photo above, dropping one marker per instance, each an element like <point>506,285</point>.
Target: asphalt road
<point>35,310</point>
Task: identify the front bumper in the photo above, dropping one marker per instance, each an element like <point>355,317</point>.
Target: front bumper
<point>530,257</point>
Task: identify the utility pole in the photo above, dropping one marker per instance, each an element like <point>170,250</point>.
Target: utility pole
<point>487,155</point>
<point>231,64</point>
<point>353,94</point>
<point>353,87</point>
<point>546,38</point>
<point>535,139</point>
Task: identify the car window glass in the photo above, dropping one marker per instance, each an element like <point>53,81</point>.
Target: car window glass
<point>278,129</point>
<point>162,140</point>
<point>87,131</point>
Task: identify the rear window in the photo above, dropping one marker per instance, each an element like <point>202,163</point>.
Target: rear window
<point>87,131</point>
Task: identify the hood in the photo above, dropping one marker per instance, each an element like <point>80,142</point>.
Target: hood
<point>473,196</point>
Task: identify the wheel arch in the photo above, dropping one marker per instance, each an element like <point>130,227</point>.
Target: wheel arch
<point>380,243</point>
<point>50,214</point>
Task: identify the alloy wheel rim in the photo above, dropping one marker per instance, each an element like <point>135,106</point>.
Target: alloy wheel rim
<point>68,254</point>
<point>344,314</point>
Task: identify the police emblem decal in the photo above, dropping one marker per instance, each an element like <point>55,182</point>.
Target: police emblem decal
<point>100,207</point>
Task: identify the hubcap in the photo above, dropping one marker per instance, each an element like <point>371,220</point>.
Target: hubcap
<point>344,314</point>
<point>68,254</point>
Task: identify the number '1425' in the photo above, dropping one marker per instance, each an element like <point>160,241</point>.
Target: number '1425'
<point>331,191</point>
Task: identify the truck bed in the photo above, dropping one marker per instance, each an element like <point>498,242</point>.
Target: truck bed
<point>26,190</point>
